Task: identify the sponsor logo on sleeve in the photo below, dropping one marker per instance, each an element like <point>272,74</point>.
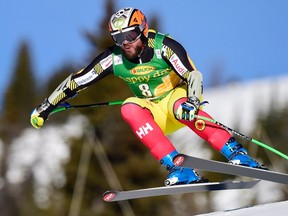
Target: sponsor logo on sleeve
<point>86,78</point>
<point>177,64</point>
<point>106,62</point>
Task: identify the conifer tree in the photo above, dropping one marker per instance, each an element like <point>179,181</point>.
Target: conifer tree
<point>272,130</point>
<point>18,100</point>
<point>20,95</point>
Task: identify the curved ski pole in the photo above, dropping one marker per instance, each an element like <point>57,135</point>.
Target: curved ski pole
<point>244,136</point>
<point>66,105</point>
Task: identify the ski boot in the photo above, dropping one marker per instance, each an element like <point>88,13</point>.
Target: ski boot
<point>238,155</point>
<point>179,175</point>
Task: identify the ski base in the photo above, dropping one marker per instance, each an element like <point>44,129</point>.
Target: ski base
<point>221,167</point>
<point>112,196</point>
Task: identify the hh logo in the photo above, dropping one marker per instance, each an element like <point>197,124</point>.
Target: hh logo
<point>144,130</point>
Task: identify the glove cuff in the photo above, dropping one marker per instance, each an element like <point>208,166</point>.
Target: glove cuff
<point>194,100</point>
<point>45,108</point>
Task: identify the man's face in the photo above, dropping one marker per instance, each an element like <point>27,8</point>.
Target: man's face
<point>132,49</point>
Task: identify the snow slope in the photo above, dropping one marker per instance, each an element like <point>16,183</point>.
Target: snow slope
<point>241,103</point>
<point>279,209</point>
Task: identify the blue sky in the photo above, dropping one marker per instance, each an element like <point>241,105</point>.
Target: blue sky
<point>245,39</point>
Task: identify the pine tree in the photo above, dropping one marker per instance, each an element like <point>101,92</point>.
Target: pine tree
<point>17,105</point>
<point>272,130</point>
<point>19,96</point>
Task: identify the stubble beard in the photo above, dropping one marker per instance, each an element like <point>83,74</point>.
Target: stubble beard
<point>132,53</point>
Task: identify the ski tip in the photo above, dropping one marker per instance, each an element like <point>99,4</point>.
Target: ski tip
<point>109,196</point>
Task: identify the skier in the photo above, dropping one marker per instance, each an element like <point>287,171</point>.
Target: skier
<point>168,93</point>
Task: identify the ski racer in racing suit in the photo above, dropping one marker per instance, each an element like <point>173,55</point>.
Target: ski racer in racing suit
<point>168,93</point>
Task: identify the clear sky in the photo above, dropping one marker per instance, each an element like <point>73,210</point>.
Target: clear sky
<point>245,39</point>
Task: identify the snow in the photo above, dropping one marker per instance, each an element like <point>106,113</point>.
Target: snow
<point>279,209</point>
<point>241,103</point>
<point>42,154</point>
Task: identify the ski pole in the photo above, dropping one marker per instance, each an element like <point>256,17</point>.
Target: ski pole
<point>66,105</point>
<point>244,136</point>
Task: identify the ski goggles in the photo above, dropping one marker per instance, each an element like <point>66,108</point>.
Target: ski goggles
<point>129,34</point>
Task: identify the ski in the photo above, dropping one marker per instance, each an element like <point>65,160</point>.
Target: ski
<point>111,196</point>
<point>227,168</point>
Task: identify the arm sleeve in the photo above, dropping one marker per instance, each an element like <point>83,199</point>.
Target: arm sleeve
<point>176,56</point>
<point>100,67</point>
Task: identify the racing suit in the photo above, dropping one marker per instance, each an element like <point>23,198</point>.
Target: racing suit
<point>158,77</point>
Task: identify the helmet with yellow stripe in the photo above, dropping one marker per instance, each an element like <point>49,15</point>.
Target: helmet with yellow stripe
<point>128,24</point>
